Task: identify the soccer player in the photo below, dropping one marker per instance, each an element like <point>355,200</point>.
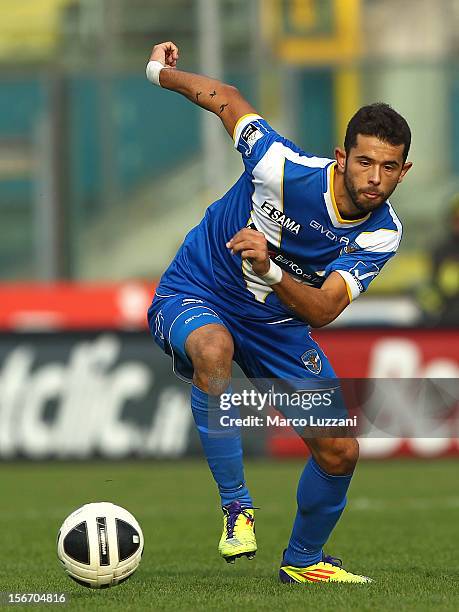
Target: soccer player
<point>288,247</point>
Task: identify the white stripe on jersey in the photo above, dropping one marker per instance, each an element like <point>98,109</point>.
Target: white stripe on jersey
<point>254,283</point>
<point>383,240</point>
<point>397,222</point>
<point>281,321</point>
<point>304,160</point>
<point>268,181</point>
<point>379,241</point>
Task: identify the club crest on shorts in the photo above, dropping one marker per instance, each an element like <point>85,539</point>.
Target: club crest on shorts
<point>312,361</point>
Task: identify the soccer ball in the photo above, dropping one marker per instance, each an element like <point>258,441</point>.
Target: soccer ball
<point>100,545</point>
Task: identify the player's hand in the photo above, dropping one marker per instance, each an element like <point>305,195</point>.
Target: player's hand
<point>251,245</point>
<point>167,53</point>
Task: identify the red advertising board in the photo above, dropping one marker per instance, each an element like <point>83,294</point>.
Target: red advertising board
<point>74,306</point>
<point>354,353</point>
<point>388,353</point>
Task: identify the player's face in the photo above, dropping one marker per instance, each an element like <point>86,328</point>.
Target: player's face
<point>371,171</point>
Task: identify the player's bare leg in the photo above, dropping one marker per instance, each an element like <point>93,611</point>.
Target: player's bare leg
<point>211,349</point>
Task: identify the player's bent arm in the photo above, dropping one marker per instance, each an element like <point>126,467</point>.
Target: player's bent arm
<point>318,307</point>
<point>222,99</point>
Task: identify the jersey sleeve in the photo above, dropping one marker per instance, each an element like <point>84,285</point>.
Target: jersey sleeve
<point>362,260</point>
<point>252,138</point>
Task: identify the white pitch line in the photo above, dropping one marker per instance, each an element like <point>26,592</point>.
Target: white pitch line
<point>416,503</point>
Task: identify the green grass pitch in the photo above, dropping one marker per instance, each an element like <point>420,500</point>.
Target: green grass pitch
<point>401,527</point>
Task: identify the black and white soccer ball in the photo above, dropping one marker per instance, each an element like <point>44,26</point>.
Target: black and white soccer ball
<point>100,545</point>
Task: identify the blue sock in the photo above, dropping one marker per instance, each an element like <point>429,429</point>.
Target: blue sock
<point>222,447</point>
<point>321,499</point>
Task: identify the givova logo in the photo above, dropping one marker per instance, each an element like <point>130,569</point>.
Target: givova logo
<point>328,233</point>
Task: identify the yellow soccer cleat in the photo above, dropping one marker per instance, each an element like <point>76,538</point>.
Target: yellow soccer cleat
<point>328,570</point>
<point>238,537</point>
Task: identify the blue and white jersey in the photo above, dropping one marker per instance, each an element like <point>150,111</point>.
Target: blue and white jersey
<point>288,195</point>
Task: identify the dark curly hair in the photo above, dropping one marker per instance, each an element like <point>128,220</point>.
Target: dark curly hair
<point>380,120</point>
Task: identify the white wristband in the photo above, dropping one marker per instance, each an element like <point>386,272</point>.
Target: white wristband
<point>152,71</point>
<point>273,275</point>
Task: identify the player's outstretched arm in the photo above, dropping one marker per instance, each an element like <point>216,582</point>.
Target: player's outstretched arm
<point>223,100</point>
<point>318,307</point>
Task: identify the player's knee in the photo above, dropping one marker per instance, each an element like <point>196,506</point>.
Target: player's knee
<point>211,353</point>
<point>212,374</point>
<point>339,456</point>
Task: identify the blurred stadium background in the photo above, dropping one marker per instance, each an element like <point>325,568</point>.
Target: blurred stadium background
<point>102,174</point>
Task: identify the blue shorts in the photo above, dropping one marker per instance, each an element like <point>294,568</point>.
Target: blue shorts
<point>277,354</point>
<point>280,349</point>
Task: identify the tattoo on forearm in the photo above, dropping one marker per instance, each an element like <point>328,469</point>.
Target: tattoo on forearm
<point>213,93</point>
<point>198,93</point>
<point>222,108</point>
